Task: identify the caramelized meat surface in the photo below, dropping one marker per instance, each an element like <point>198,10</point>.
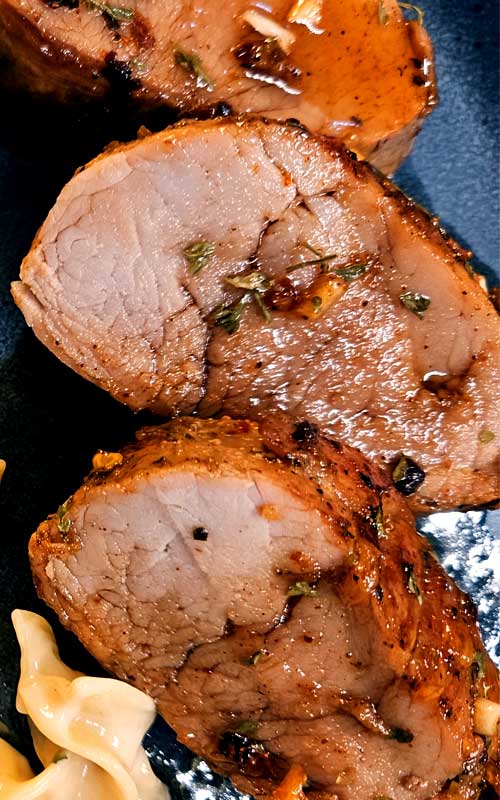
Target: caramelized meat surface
<point>268,588</point>
<point>352,69</point>
<point>239,267</point>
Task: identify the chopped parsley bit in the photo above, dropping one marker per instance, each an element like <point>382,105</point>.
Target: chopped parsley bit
<point>316,302</point>
<point>262,306</point>
<point>256,283</point>
<point>485,436</point>
<point>383,16</point>
<point>349,273</point>
<point>116,13</point>
<point>200,534</point>
<point>379,522</point>
<point>198,255</point>
<point>411,583</point>
<point>247,727</point>
<point>254,659</point>
<point>63,523</point>
<point>415,302</point>
<point>253,281</point>
<point>407,475</point>
<point>352,272</point>
<point>312,249</point>
<point>478,665</point>
<point>302,588</point>
<point>61,755</point>
<point>193,64</point>
<point>411,7</point>
<point>228,317</point>
<point>400,735</point>
<point>321,260</point>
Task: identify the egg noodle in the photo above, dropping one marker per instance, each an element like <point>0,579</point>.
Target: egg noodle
<point>87,732</point>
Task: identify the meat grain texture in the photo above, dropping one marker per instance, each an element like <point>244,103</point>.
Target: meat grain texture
<point>346,71</point>
<point>389,343</point>
<point>268,588</point>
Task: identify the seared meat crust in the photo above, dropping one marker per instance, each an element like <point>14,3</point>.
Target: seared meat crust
<point>108,288</point>
<point>369,83</point>
<point>267,586</point>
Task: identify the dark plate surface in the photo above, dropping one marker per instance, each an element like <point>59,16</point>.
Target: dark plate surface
<point>51,421</point>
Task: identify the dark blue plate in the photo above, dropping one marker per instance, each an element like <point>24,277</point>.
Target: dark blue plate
<point>51,421</point>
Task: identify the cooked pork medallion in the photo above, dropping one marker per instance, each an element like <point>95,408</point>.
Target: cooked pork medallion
<point>349,68</point>
<point>238,267</point>
<point>268,588</point>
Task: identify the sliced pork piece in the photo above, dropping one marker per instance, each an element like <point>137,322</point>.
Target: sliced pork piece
<point>267,587</point>
<point>349,68</point>
<point>388,342</point>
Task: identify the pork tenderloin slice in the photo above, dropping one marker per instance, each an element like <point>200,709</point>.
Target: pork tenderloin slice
<point>108,288</point>
<point>352,76</point>
<point>268,588</point>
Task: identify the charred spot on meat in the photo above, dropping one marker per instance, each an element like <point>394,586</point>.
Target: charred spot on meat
<point>120,76</point>
<point>266,59</point>
<point>407,476</point>
<point>305,433</point>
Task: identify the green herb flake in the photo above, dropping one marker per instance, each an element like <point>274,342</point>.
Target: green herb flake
<point>416,10</point>
<point>478,667</point>
<point>198,255</point>
<point>413,588</point>
<point>469,269</point>
<point>116,13</point>
<point>300,588</point>
<point>399,471</point>
<point>193,64</point>
<point>313,250</point>
<point>252,281</point>
<point>320,261</point>
<point>415,302</point>
<point>379,522</point>
<point>228,317</point>
<point>259,302</point>
<point>383,16</point>
<point>247,728</point>
<point>400,735</point>
<point>352,272</point>
<point>485,436</point>
<point>316,303</point>
<point>254,659</point>
<point>63,522</point>
<point>411,583</point>
<point>200,534</point>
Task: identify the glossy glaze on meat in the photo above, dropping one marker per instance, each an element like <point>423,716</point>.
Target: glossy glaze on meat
<point>267,586</point>
<point>108,288</point>
<point>362,77</point>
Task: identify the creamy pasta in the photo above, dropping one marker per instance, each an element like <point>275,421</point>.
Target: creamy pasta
<point>87,732</point>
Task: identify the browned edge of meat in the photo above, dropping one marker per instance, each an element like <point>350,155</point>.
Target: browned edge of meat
<point>267,587</point>
<point>364,76</point>
<point>366,368</point>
